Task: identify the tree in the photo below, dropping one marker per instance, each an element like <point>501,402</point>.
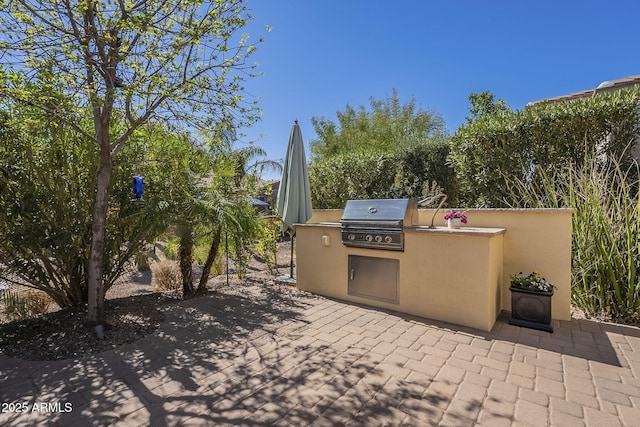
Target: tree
<point>47,173</point>
<point>484,104</point>
<point>154,60</point>
<point>389,150</point>
<point>189,167</point>
<point>229,209</point>
<point>369,149</point>
<point>387,125</point>
<point>225,204</point>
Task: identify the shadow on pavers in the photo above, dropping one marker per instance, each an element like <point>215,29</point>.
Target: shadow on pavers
<point>236,358</point>
<point>580,338</point>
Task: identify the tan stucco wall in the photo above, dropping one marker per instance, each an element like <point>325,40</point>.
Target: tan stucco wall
<point>325,215</point>
<point>534,239</point>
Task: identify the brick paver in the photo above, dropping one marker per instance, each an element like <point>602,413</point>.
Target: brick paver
<point>271,355</point>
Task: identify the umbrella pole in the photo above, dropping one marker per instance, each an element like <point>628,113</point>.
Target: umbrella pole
<point>226,250</point>
<point>291,263</point>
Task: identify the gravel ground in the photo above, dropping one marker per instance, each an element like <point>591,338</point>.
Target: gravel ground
<point>63,334</point>
<point>132,310</point>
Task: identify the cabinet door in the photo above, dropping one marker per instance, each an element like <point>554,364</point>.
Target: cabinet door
<point>375,278</point>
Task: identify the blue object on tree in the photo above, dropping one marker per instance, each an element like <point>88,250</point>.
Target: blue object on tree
<point>138,187</point>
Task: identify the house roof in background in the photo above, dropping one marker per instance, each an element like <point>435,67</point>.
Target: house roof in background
<point>605,86</point>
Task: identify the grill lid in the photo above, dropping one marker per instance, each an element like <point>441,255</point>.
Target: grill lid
<point>380,211</point>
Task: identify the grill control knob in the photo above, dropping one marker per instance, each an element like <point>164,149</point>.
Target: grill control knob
<point>351,237</point>
<point>388,239</point>
<point>368,237</point>
<point>378,239</point>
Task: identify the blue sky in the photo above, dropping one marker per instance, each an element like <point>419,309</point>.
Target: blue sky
<point>322,55</point>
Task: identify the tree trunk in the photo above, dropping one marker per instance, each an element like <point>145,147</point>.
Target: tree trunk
<point>77,284</point>
<point>186,259</point>
<point>96,255</point>
<point>211,257</point>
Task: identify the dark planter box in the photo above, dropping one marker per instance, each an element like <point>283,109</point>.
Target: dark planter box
<point>531,308</point>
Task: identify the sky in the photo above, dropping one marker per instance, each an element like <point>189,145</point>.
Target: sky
<point>323,55</point>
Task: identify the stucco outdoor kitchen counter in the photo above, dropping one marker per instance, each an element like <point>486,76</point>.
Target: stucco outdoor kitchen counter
<point>452,275</point>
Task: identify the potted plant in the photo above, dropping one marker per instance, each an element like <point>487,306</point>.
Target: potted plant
<point>531,301</point>
<point>455,219</point>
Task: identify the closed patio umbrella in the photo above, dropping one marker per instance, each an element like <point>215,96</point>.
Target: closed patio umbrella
<point>294,195</point>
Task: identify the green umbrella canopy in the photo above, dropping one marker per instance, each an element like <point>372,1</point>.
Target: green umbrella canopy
<point>294,194</point>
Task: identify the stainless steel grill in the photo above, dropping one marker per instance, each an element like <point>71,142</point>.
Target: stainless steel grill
<point>377,223</point>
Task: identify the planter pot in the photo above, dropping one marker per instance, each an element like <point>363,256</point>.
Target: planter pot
<point>454,223</point>
<point>531,308</point>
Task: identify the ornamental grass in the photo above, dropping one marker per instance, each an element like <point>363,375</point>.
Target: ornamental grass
<point>606,232</point>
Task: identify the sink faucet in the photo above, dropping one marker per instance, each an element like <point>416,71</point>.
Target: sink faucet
<point>431,198</point>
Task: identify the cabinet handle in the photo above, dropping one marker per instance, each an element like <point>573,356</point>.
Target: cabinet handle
<point>353,272</point>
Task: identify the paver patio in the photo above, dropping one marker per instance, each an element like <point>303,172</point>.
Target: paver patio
<point>271,355</point>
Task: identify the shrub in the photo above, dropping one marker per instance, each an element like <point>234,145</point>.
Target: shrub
<point>38,302</point>
<point>409,172</point>
<point>166,276</point>
<point>493,150</point>
<point>219,265</point>
<point>419,165</point>
<point>267,247</point>
<point>14,305</point>
<point>23,303</point>
<point>342,177</point>
<point>47,186</point>
<point>241,253</point>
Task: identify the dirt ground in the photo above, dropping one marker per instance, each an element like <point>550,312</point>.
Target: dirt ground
<point>140,282</point>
